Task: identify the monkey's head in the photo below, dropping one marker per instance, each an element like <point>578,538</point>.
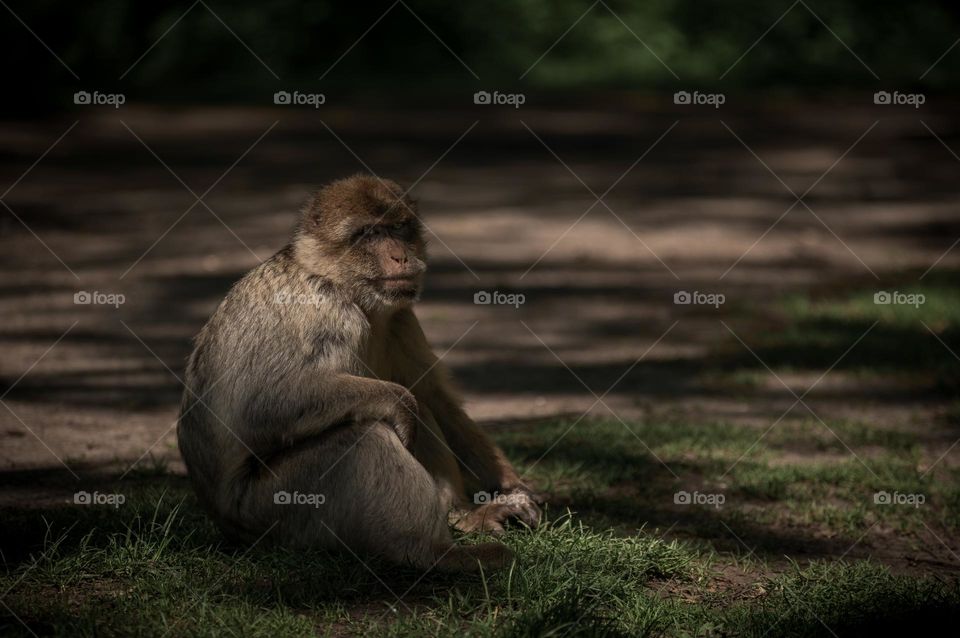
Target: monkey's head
<point>362,234</point>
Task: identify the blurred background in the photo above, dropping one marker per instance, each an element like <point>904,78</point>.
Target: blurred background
<point>795,158</point>
<point>411,49</point>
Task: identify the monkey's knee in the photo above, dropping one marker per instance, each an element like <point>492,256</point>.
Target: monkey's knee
<point>382,501</point>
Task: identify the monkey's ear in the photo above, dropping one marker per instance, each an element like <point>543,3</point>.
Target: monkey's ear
<point>313,213</point>
<point>312,207</point>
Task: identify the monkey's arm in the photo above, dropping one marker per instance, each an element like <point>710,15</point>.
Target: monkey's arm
<point>485,464</point>
<point>315,407</point>
<point>486,467</point>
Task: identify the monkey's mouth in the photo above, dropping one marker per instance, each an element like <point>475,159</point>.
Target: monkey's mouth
<point>403,284</point>
<point>401,280</point>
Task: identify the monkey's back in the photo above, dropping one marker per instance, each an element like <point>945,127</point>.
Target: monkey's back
<point>259,339</point>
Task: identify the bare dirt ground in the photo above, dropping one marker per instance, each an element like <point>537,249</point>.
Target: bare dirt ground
<point>511,201</point>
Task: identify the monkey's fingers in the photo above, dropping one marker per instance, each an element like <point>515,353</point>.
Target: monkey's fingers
<point>486,518</point>
<point>537,497</point>
<point>406,418</point>
<point>534,515</point>
<point>407,433</point>
<point>524,511</point>
<point>528,514</point>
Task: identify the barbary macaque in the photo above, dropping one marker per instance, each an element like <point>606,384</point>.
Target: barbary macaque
<point>314,379</point>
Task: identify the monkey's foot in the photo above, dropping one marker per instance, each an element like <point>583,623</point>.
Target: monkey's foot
<point>491,517</point>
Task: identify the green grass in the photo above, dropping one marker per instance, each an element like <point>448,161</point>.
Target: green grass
<point>155,566</point>
<point>899,341</point>
<point>610,474</point>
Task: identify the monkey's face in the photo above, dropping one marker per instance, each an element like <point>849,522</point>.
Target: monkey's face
<point>387,258</point>
<point>363,234</point>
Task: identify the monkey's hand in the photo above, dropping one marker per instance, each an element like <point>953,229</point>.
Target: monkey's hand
<point>525,505</point>
<point>491,517</point>
<point>522,488</point>
<point>405,415</point>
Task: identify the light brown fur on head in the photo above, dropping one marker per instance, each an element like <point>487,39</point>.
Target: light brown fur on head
<point>363,233</point>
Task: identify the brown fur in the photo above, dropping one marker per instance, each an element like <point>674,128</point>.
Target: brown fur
<point>314,376</point>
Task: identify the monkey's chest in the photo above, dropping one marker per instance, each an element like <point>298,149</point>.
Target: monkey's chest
<point>377,360</point>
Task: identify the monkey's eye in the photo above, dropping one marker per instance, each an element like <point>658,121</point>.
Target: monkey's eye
<point>360,234</point>
<point>399,226</point>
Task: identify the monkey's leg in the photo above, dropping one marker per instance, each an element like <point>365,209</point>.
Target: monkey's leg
<point>361,488</point>
<point>433,452</point>
<point>447,471</point>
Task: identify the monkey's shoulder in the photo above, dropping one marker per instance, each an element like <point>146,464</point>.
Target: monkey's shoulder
<point>283,300</point>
